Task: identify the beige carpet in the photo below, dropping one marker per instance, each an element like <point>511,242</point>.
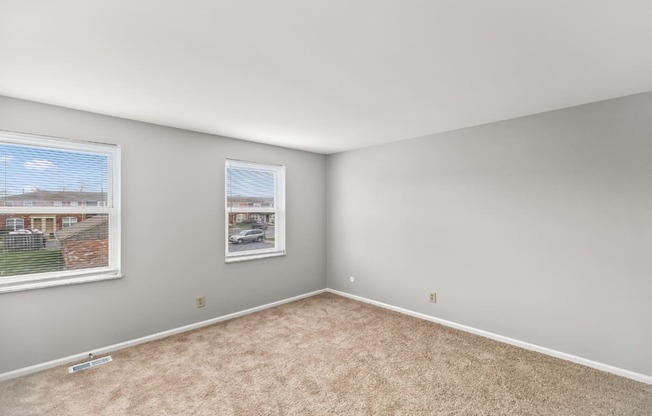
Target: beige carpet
<point>321,356</point>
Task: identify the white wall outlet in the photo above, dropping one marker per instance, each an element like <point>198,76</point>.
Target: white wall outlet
<point>433,297</point>
<point>201,301</point>
<point>352,279</point>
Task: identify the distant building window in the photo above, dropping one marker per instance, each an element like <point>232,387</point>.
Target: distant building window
<point>28,204</point>
<point>58,203</point>
<point>9,203</point>
<point>91,203</point>
<point>68,221</point>
<point>74,203</point>
<point>257,205</point>
<point>15,224</point>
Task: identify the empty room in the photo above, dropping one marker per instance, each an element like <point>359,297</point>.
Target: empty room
<point>325,208</point>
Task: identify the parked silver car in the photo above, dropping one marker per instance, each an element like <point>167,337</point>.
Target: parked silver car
<point>248,235</point>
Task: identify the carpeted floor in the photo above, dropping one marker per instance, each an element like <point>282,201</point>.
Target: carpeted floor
<point>326,355</point>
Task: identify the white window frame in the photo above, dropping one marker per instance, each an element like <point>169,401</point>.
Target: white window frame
<point>68,277</point>
<point>278,210</point>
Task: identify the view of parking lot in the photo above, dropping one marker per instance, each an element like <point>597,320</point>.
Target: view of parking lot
<point>251,244</point>
<point>252,207</point>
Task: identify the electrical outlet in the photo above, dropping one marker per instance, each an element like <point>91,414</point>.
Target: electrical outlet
<point>433,297</point>
<point>201,301</point>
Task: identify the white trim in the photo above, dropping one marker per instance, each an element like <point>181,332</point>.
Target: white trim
<point>522,344</point>
<point>236,259</point>
<point>70,280</point>
<point>73,145</point>
<point>104,350</point>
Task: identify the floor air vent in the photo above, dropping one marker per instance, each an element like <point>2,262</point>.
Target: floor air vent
<point>89,364</point>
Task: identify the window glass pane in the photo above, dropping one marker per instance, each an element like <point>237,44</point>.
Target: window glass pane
<point>37,243</point>
<point>26,252</point>
<point>39,176</point>
<point>50,193</point>
<point>251,191</point>
<point>85,244</point>
<point>250,188</point>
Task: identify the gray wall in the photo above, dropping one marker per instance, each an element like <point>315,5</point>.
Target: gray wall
<point>173,185</point>
<point>537,228</point>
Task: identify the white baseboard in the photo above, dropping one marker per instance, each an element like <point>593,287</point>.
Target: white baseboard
<point>104,350</point>
<point>554,353</point>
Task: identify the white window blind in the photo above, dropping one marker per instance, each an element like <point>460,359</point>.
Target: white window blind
<point>51,234</point>
<point>255,210</point>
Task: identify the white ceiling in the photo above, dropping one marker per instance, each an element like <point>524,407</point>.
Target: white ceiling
<point>324,76</point>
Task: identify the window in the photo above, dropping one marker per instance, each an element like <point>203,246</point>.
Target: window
<point>67,242</point>
<point>68,221</point>
<point>15,224</point>
<point>255,200</point>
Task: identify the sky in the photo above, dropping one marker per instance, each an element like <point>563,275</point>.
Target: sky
<point>26,169</point>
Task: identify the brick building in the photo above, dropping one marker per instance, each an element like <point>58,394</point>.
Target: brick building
<point>85,244</point>
<point>48,223</point>
<point>249,203</point>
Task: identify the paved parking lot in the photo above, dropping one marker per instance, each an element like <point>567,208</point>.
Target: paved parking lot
<point>269,233</point>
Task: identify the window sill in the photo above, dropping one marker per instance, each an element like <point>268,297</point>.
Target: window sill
<point>63,281</point>
<point>238,259</point>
